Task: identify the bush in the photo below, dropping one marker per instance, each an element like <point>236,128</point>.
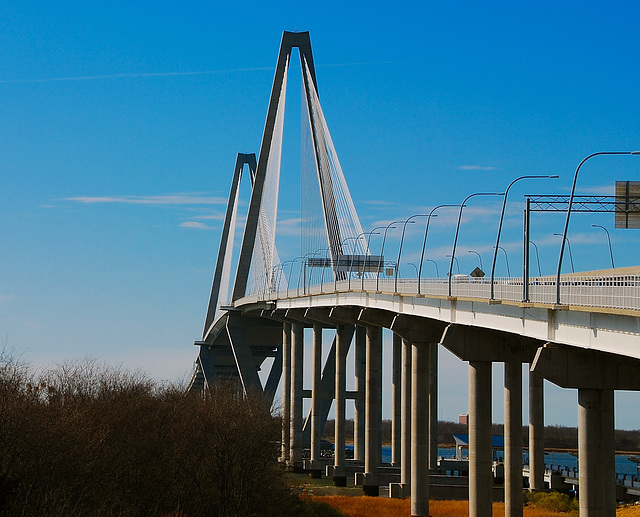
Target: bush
<point>552,501</point>
<point>88,439</point>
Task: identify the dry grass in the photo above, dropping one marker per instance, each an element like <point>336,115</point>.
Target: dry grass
<point>385,507</point>
<point>628,511</point>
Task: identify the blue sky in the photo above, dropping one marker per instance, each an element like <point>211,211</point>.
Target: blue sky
<point>121,123</point>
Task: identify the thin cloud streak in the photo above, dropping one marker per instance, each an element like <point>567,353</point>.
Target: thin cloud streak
<point>171,199</point>
<point>476,168</point>
<point>137,75</point>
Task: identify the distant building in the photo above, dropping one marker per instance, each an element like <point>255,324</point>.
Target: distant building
<point>463,419</point>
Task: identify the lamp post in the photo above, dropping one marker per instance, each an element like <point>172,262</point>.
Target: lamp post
<point>566,222</point>
<point>455,240</point>
<point>457,263</point>
<point>372,232</point>
<point>537,257</point>
<point>341,247</point>
<point>506,259</point>
<point>353,255</point>
<point>303,274</point>
<point>569,247</point>
<point>479,257</point>
<point>424,242</point>
<point>414,266</point>
<point>325,259</point>
<point>404,227</point>
<point>435,264</point>
<point>384,237</point>
<point>609,240</point>
<point>504,206</point>
<point>293,261</point>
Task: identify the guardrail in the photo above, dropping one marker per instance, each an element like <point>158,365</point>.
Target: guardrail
<point>616,292</point>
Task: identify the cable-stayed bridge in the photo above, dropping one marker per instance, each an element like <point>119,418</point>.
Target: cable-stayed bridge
<point>579,330</point>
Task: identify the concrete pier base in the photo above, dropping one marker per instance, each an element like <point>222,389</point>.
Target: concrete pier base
<point>536,432</point>
<point>513,501</point>
<point>480,462</point>
<point>295,438</point>
<point>420,430</point>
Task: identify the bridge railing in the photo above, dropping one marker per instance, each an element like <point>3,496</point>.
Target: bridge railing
<point>619,292</point>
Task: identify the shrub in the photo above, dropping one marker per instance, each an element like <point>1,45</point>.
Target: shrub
<point>552,501</point>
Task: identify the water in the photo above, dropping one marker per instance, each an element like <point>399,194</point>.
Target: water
<point>556,460</point>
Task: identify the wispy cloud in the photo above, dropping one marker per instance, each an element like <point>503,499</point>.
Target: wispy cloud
<point>195,225</point>
<point>138,75</point>
<point>168,199</point>
<point>476,168</point>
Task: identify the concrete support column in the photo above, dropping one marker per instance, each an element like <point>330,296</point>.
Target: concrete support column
<point>536,431</point>
<point>360,381</point>
<point>396,401</point>
<point>480,462</point>
<point>295,452</point>
<point>420,430</point>
<point>513,503</point>
<point>403,489</point>
<point>372,416</point>
<point>591,453</point>
<point>609,452</point>
<point>316,432</point>
<point>339,473</point>
<point>286,390</point>
<point>433,406</point>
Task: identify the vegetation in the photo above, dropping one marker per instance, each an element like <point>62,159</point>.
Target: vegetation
<point>87,439</point>
<point>379,507</point>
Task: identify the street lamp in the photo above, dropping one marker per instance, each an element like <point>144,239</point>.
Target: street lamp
<point>537,256</point>
<point>566,222</point>
<point>504,206</point>
<point>435,264</point>
<point>609,240</point>
<point>404,227</point>
<point>414,266</point>
<point>479,257</point>
<point>384,237</point>
<point>342,247</point>
<point>506,259</point>
<point>424,242</point>
<point>568,246</point>
<point>372,232</point>
<point>457,263</point>
<point>455,240</point>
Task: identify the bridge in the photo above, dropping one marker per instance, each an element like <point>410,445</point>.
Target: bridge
<point>579,330</point>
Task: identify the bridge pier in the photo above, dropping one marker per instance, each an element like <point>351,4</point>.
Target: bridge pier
<point>359,403</point>
<point>339,471</point>
<point>403,489</point>
<point>370,483</point>
<point>420,429</point>
<point>433,406</point>
<point>536,431</point>
<point>513,438</point>
<point>480,462</point>
<point>595,375</point>
<point>286,391</point>
<point>295,433</point>
<point>316,433</point>
<point>396,400</point>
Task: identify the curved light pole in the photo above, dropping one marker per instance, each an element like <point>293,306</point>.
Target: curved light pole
<point>303,275</point>
<point>504,206</point>
<point>335,285</point>
<point>404,227</point>
<point>569,247</point>
<point>313,257</point>
<point>479,257</point>
<point>457,263</point>
<point>455,240</point>
<point>293,261</point>
<point>609,240</point>
<point>326,257</point>
<point>424,242</point>
<point>566,222</point>
<point>435,264</point>
<point>414,266</point>
<point>537,257</point>
<point>353,255</point>
<point>506,259</point>
<point>372,232</point>
<point>384,237</point>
